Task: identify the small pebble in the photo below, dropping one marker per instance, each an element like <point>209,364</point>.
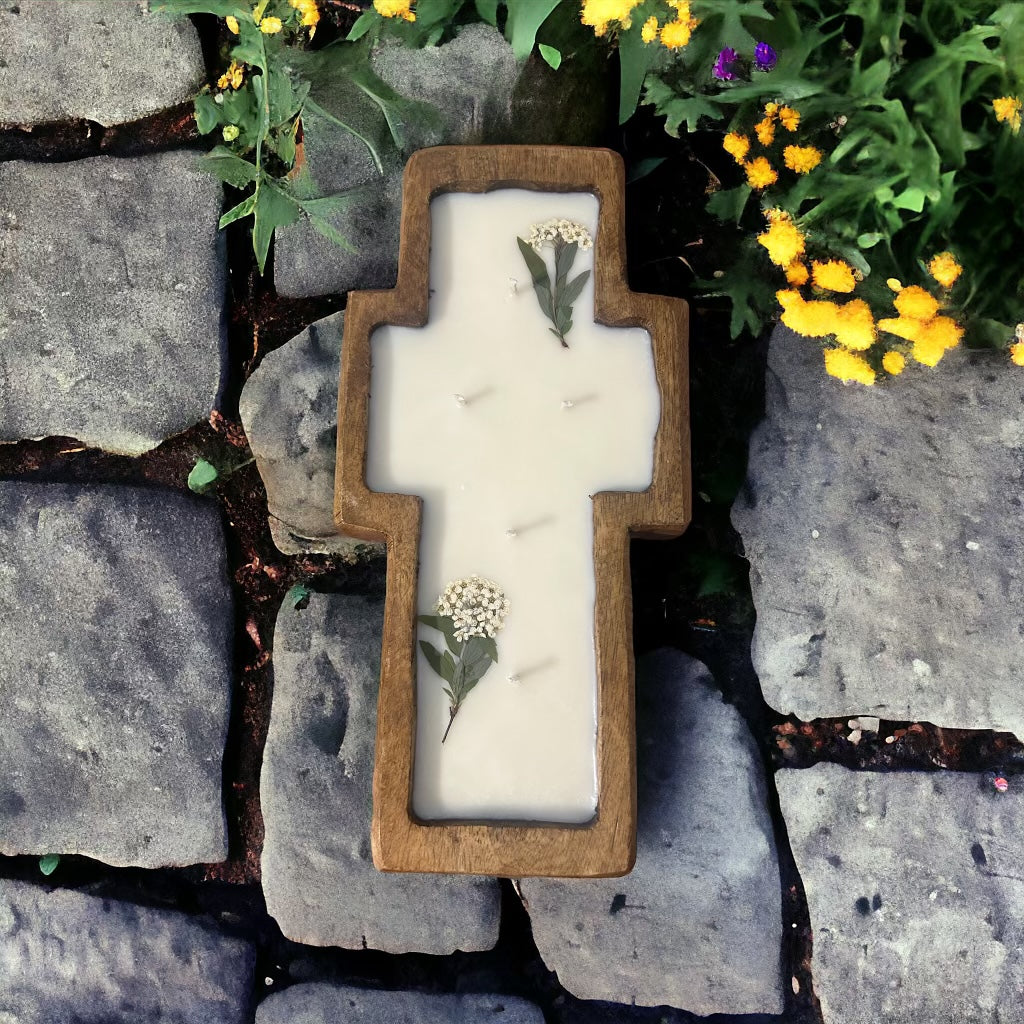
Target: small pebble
<point>921,668</point>
<point>815,534</point>
<point>972,545</point>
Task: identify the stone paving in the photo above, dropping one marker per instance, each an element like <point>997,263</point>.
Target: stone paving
<point>318,878</point>
<point>67,956</point>
<point>116,628</point>
<point>881,527</point>
<point>104,262</point>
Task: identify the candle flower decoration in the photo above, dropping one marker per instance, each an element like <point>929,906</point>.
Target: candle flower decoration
<point>470,613</point>
<point>566,237</point>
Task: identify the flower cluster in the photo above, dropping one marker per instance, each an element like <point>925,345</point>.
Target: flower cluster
<point>729,65</point>
<point>852,324</point>
<point>760,172</point>
<point>395,9</point>
<point>476,606</point>
<point>1008,109</point>
<point>308,14</point>
<point>233,77</point>
<point>674,34</point>
<point>551,231</point>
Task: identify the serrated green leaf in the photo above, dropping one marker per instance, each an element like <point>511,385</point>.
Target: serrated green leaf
<point>551,56</point>
<point>48,863</point>
<point>525,17</point>
<point>202,475</point>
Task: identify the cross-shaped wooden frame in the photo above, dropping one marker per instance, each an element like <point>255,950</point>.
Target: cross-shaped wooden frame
<point>607,845</point>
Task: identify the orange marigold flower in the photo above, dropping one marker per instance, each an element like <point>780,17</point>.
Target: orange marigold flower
<point>848,367</point>
<point>760,173</point>
<point>737,146</point>
<point>783,239</point>
<point>893,362</point>
<point>855,326</point>
<point>801,159</point>
<point>915,302</point>
<point>1008,108</point>
<point>834,276</point>
<point>789,118</point>
<point>765,131</point>
<point>945,269</point>
<point>797,273</point>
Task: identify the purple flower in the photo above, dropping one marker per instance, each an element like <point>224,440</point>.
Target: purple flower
<point>765,58</point>
<point>723,68</point>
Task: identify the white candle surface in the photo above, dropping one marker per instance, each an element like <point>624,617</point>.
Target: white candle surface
<point>506,435</point>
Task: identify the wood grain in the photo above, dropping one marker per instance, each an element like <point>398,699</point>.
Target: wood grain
<point>607,845</point>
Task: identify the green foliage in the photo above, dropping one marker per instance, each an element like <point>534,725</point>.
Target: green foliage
<point>48,863</point>
<point>203,475</point>
<point>555,298</point>
<point>271,95</point>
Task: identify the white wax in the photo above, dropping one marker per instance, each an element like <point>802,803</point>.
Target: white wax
<point>512,457</point>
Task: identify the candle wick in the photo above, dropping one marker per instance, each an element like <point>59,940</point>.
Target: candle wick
<point>511,533</point>
<point>459,399</point>
<point>513,286</point>
<point>568,403</point>
<point>513,679</point>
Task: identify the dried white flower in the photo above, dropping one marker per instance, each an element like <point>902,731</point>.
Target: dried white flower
<point>476,606</point>
<point>557,228</point>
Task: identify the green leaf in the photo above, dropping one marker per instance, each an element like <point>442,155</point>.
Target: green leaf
<point>296,595</point>
<point>207,113</point>
<point>488,11</point>
<point>636,58</point>
<point>48,864</point>
<point>552,56</point>
<point>450,670</point>
<point>243,209</point>
<point>572,290</point>
<point>563,263</point>
<point>363,24</point>
<point>869,239</point>
<point>218,8</point>
<point>203,474</point>
<point>444,624</point>
<point>433,656</point>
<point>313,107</point>
<point>728,204</point>
<point>274,209</point>
<point>643,167</point>
<point>537,267</point>
<point>525,17</point>
<point>223,164</point>
<point>910,199</point>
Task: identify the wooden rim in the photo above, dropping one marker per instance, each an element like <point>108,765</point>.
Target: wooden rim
<point>606,846</point>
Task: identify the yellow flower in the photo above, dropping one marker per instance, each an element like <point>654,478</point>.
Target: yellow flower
<point>915,302</point>
<point>848,367</point>
<point>783,240</point>
<point>789,118</point>
<point>765,131</point>
<point>396,9</point>
<point>945,269</point>
<point>941,330</point>
<point>893,362</point>
<point>234,76</point>
<point>771,109</point>
<point>737,146</point>
<point>1017,353</point>
<point>598,14</point>
<point>232,23</point>
<point>834,276</point>
<point>309,12</point>
<point>855,326</point>
<point>676,34</point>
<point>1008,109</point>
<point>650,30</point>
<point>270,26</point>
<point>894,284</point>
<point>801,159</point>
<point>230,132</point>
<point>797,273</point>
<point>927,351</point>
<point>760,173</point>
<point>904,327</point>
<point>811,319</point>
